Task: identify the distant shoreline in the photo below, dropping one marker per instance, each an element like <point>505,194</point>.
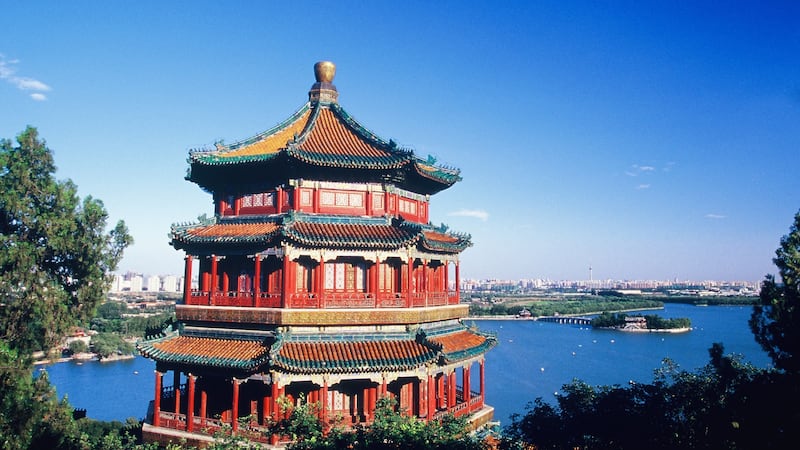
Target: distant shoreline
<point>648,330</point>
<point>80,357</point>
<point>510,317</point>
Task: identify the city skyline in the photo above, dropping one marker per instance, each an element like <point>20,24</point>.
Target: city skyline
<point>649,141</point>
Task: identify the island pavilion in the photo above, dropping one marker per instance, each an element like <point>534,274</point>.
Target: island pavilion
<point>319,279</point>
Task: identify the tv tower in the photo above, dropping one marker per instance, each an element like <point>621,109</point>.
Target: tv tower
<point>590,273</point>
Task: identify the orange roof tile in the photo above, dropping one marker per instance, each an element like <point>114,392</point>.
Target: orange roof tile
<point>212,348</point>
<point>353,355</point>
<point>274,142</point>
<point>234,229</point>
<point>440,237</point>
<point>460,341</point>
<point>330,136</point>
<point>338,234</point>
<point>228,353</point>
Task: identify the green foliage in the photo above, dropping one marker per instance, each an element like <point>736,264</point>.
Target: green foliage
<point>107,344</point>
<point>775,322</point>
<point>136,325</point>
<point>30,414</point>
<point>391,429</point>
<point>655,322</point>
<point>726,404</point>
<point>585,305</point>
<point>78,346</point>
<point>111,310</point>
<point>609,320</point>
<point>55,254</point>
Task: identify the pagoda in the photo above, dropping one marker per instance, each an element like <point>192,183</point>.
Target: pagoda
<point>319,279</point>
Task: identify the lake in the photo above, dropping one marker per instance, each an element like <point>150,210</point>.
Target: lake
<point>533,359</point>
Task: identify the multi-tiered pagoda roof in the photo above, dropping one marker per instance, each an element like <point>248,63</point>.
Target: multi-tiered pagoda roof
<point>320,138</point>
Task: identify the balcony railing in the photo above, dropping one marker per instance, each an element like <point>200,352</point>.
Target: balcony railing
<point>324,300</point>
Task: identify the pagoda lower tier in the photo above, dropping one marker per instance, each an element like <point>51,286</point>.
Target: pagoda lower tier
<point>223,374</point>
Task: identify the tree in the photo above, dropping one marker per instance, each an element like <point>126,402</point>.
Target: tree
<point>726,404</point>
<point>78,346</point>
<point>55,253</point>
<point>775,322</point>
<point>55,256</point>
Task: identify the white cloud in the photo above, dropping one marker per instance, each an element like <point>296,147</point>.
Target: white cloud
<point>8,73</point>
<point>476,213</point>
<point>715,216</point>
<point>637,170</point>
<point>643,186</point>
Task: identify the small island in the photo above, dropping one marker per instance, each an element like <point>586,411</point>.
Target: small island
<point>650,323</point>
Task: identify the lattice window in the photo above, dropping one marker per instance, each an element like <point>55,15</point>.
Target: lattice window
<point>327,198</point>
<point>387,276</point>
<point>377,201</point>
<point>303,279</point>
<point>305,197</point>
<point>345,277</point>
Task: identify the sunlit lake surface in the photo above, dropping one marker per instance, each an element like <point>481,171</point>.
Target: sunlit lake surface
<point>533,359</point>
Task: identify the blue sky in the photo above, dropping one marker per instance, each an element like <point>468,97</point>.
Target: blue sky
<point>650,140</point>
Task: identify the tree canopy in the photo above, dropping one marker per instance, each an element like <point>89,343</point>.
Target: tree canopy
<point>55,252</point>
<point>775,322</point>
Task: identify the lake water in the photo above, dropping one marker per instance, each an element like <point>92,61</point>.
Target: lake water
<point>533,359</point>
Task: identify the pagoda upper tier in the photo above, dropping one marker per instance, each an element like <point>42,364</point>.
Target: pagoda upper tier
<point>320,141</point>
<point>237,235</point>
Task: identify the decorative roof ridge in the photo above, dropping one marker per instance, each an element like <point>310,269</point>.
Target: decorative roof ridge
<point>441,228</point>
<point>309,126</point>
<point>257,218</point>
<point>222,148</point>
<point>431,162</point>
<point>164,335</point>
<point>366,133</point>
<point>203,220</point>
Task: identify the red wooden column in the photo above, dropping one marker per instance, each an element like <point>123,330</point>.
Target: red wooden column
<point>371,397</point>
<point>373,281</point>
<point>176,385</point>
<point>409,282</point>
<point>214,282</point>
<point>274,407</point>
<point>203,407</point>
<point>187,280</point>
<point>483,386</point>
<point>440,392</point>
<point>431,397</point>
<point>458,281</point>
<point>266,410</point>
<point>384,386</point>
<point>157,400</point>
<point>465,374</point>
<point>235,406</point>
<point>257,280</point>
<point>446,282</point>
<point>285,281</point>
<point>190,400</point>
<point>320,280</point>
<point>451,390</point>
<point>324,399</point>
<point>425,276</point>
<point>226,283</point>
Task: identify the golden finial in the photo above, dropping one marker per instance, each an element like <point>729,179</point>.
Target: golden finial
<point>324,71</point>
